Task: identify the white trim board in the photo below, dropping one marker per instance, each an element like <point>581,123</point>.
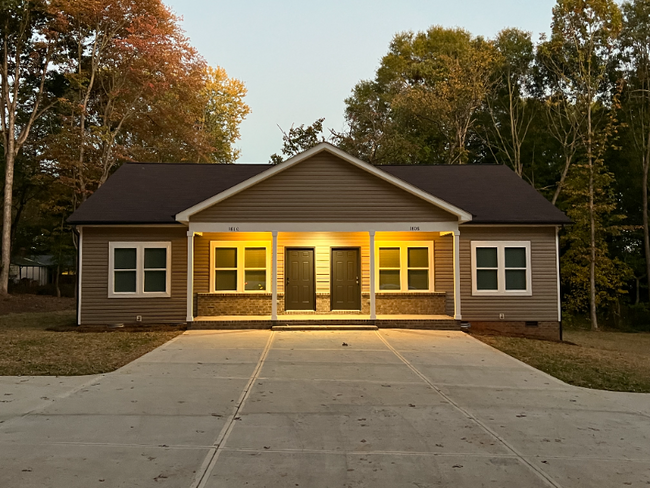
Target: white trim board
<point>240,227</point>
<point>185,215</point>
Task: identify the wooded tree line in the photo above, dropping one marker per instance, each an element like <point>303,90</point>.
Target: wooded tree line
<point>87,85</point>
<point>569,113</point>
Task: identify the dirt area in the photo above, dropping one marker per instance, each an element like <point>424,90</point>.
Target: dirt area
<point>19,303</point>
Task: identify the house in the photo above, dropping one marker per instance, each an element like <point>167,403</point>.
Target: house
<point>321,238</point>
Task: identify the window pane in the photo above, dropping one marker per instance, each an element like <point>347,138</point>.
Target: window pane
<point>226,280</point>
<point>418,257</point>
<point>389,257</point>
<point>124,282</point>
<point>155,258</point>
<point>515,257</point>
<point>486,279</point>
<point>389,279</point>
<point>155,281</point>
<point>515,279</point>
<point>255,257</point>
<point>486,257</point>
<point>418,279</point>
<point>255,280</point>
<point>225,257</point>
<point>125,258</point>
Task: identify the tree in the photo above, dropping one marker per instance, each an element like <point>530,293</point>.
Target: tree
<point>224,110</point>
<point>635,47</point>
<point>299,139</point>
<point>422,105</point>
<point>580,52</point>
<point>136,91</point>
<point>509,106</point>
<point>28,44</point>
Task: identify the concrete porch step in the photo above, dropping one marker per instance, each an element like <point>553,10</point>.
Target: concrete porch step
<point>323,327</point>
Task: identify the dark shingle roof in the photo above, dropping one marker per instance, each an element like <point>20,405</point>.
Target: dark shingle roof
<point>493,194</point>
<point>153,193</point>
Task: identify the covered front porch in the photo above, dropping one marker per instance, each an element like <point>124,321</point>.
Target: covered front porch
<point>265,275</point>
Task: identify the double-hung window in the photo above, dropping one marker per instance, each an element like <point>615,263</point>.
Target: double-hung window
<point>501,268</point>
<point>240,267</point>
<point>404,267</point>
<point>139,269</point>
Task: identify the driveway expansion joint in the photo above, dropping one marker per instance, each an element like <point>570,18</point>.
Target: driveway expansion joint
<point>540,473</point>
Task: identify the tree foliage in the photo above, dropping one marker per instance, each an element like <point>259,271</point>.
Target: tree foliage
<point>89,85</point>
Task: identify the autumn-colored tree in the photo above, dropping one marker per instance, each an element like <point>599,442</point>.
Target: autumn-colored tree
<point>30,33</point>
<point>223,112</point>
<point>134,82</point>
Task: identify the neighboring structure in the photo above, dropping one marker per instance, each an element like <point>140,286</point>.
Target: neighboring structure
<point>322,237</point>
<point>36,269</point>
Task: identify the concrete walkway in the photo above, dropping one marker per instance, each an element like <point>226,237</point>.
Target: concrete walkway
<point>393,408</point>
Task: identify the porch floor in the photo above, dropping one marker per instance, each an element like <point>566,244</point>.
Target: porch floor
<point>436,322</point>
<point>315,318</point>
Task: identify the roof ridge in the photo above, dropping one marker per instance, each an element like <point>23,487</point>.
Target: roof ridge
<point>195,164</point>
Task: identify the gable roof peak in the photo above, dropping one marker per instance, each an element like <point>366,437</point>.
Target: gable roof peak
<point>462,215</point>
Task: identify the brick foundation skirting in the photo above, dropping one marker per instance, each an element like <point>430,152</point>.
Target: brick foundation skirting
<point>542,330</point>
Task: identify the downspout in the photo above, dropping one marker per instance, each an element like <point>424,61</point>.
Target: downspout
<point>78,276</point>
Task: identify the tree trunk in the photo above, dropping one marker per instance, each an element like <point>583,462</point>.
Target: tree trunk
<point>565,171</point>
<point>644,199</point>
<point>56,280</point>
<point>592,224</point>
<point>6,216</point>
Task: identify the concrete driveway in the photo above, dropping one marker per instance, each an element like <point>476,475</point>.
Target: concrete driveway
<point>394,408</point>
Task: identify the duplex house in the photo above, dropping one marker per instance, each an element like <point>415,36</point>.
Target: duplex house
<point>321,238</point>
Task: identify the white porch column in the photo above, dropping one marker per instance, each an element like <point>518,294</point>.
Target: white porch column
<point>190,276</point>
<point>457,314</point>
<point>274,277</point>
<point>373,314</point>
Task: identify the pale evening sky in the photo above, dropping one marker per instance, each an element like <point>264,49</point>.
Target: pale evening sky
<point>300,59</point>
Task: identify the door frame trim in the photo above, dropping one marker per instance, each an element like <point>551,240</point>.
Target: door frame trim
<point>358,249</point>
<point>286,275</point>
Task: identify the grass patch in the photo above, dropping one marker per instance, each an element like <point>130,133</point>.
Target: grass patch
<point>49,344</point>
<point>615,361</point>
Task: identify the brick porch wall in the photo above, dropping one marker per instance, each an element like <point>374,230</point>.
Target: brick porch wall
<point>411,303</point>
<point>217,304</point>
<point>544,330</point>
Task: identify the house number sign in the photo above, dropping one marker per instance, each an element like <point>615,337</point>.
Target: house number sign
<point>415,227</point>
<point>233,229</point>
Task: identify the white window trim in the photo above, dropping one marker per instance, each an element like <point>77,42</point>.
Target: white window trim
<point>240,246</point>
<point>139,275</point>
<point>501,269</point>
<point>403,247</point>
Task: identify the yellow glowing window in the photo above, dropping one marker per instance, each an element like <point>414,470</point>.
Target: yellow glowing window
<point>240,267</point>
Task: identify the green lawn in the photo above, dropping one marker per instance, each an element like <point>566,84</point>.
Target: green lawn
<point>28,348</point>
<point>615,361</point>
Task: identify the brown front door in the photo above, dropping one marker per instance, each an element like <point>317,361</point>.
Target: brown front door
<point>346,279</point>
<point>300,289</point>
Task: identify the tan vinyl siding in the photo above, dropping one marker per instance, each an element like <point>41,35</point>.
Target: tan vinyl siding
<point>323,242</point>
<point>97,308</point>
<point>323,188</point>
<point>541,306</point>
